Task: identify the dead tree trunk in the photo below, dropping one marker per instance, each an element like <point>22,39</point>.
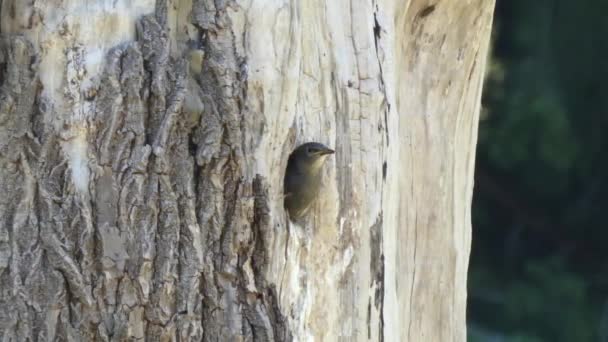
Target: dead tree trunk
<point>142,151</point>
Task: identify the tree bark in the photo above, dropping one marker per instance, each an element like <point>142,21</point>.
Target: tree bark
<point>142,151</point>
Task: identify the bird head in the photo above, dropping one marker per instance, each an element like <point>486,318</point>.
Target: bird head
<point>311,155</point>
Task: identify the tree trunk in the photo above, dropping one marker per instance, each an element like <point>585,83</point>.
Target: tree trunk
<point>142,153</point>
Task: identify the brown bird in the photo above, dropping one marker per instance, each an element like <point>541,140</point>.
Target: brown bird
<point>303,178</point>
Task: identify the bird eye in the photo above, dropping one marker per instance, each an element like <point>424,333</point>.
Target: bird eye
<point>312,150</point>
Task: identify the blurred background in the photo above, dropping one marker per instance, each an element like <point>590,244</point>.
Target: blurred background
<point>538,269</point>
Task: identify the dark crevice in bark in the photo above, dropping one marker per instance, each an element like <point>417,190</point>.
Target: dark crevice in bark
<point>369,316</point>
<point>426,11</point>
<point>384,170</point>
<point>386,106</point>
<point>377,270</point>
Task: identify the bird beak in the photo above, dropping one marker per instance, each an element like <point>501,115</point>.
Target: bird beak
<point>328,151</point>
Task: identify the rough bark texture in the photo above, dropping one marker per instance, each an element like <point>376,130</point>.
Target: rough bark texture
<point>142,151</point>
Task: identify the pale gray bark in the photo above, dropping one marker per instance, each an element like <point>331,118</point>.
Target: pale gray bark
<point>142,151</point>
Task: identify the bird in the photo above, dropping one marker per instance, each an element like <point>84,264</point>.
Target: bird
<point>302,181</point>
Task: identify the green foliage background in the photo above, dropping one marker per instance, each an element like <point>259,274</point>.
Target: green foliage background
<point>538,265</point>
